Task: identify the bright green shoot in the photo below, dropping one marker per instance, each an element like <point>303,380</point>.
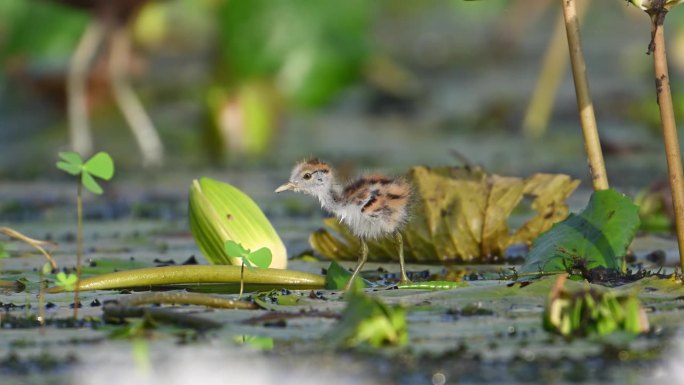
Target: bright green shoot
<point>100,166</point>
<point>259,258</point>
<point>67,281</point>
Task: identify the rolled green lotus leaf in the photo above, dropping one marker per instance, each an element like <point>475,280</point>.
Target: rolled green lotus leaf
<point>220,212</point>
<point>647,5</point>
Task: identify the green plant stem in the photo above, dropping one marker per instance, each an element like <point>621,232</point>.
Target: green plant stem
<point>185,299</point>
<point>242,278</point>
<point>672,151</point>
<point>41,301</point>
<point>592,144</point>
<point>199,274</point>
<point>79,244</point>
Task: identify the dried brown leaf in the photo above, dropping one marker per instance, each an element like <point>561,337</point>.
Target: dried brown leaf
<point>460,214</point>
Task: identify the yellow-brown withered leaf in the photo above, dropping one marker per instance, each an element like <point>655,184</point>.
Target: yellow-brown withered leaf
<point>460,214</point>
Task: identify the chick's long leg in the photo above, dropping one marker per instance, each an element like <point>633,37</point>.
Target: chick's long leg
<point>400,247</point>
<point>362,261</point>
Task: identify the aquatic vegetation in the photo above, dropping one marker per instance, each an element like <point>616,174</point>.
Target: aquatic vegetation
<point>258,258</point>
<point>461,214</point>
<point>100,166</point>
<point>220,212</point>
<point>592,312</point>
<point>66,281</point>
<point>367,321</point>
<point>597,237</point>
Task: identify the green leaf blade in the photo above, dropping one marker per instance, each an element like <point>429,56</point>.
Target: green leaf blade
<point>90,184</point>
<point>72,158</point>
<point>69,168</point>
<point>598,237</point>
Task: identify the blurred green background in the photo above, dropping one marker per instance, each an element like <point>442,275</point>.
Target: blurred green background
<point>258,84</point>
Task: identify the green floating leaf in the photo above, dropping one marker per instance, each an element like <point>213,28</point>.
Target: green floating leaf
<point>100,165</point>
<point>220,212</point>
<point>597,237</point>
<point>433,285</point>
<point>274,299</point>
<point>261,343</point>
<point>367,321</point>
<point>337,278</point>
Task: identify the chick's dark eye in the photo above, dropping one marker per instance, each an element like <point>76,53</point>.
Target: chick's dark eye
<point>307,176</point>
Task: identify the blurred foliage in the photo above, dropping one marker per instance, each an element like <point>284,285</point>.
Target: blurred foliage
<point>592,311</point>
<point>368,322</point>
<point>655,207</point>
<point>461,214</point>
<point>39,30</point>
<point>311,49</point>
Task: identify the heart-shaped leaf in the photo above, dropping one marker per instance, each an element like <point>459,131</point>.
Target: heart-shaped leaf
<point>261,258</point>
<point>100,165</point>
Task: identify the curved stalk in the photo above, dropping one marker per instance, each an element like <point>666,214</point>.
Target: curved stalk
<point>201,274</point>
<point>32,242</point>
<point>592,144</point>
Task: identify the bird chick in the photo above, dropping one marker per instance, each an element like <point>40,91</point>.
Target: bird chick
<point>371,207</point>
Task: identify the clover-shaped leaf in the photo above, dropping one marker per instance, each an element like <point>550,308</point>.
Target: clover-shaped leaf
<point>235,249</point>
<point>260,258</point>
<point>71,162</point>
<point>68,282</point>
<point>100,166</point>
